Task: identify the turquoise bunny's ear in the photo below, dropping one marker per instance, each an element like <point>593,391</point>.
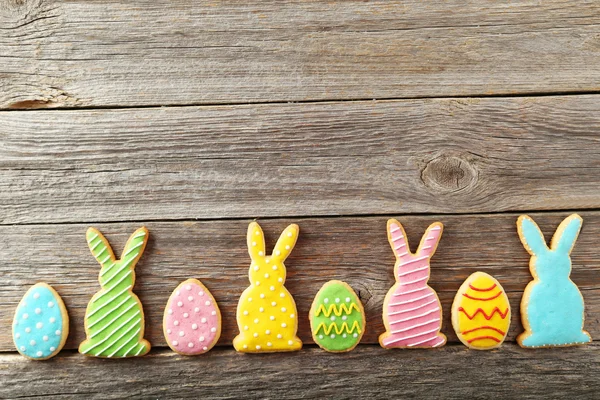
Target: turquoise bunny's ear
<point>566,234</point>
<point>531,236</point>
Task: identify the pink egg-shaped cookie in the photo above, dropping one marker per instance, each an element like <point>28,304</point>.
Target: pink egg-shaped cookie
<point>192,321</point>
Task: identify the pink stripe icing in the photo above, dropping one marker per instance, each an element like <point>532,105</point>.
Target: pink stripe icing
<point>191,316</point>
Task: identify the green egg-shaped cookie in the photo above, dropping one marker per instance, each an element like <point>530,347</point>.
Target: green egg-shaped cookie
<point>337,317</point>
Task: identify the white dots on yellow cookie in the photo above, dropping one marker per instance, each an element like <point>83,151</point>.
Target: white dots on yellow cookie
<point>266,310</point>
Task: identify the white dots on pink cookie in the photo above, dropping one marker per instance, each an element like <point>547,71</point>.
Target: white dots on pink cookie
<point>193,316</point>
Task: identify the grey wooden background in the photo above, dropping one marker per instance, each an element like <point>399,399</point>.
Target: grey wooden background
<point>195,117</point>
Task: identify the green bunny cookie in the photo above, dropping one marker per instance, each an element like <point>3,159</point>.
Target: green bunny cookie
<point>114,319</point>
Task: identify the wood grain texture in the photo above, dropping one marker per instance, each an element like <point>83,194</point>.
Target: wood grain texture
<point>351,249</point>
<point>367,372</point>
<point>348,158</point>
<point>58,53</point>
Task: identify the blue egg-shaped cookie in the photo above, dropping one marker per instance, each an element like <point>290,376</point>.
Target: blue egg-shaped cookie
<point>41,323</point>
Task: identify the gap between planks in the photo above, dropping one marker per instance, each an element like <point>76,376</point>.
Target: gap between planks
<point>299,217</point>
<point>557,93</point>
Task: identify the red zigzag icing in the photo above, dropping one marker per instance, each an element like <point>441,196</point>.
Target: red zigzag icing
<point>488,317</point>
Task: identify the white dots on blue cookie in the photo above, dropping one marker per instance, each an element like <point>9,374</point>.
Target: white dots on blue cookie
<point>38,323</point>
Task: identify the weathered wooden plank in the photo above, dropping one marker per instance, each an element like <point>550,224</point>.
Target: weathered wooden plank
<point>452,372</point>
<point>57,53</point>
<point>349,158</point>
<point>351,249</point>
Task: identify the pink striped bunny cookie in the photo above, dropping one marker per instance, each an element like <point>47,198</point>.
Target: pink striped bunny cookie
<point>412,313</point>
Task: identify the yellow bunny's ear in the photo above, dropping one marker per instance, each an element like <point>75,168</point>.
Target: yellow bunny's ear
<point>256,241</point>
<point>286,242</point>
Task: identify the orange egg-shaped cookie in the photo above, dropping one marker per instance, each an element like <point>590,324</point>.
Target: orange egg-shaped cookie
<point>481,312</point>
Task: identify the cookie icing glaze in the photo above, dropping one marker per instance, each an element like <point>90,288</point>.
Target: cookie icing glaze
<point>552,308</point>
<point>481,312</point>
<point>114,318</point>
<point>337,317</point>
<point>192,320</point>
<point>41,323</point>
<point>412,313</point>
<point>266,313</point>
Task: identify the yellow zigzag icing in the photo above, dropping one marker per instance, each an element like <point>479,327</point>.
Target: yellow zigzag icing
<point>337,310</point>
<point>344,327</point>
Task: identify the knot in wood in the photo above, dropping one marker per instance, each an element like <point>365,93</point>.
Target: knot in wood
<point>448,173</point>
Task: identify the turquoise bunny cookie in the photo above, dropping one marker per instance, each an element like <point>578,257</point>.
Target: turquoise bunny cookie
<point>552,306</point>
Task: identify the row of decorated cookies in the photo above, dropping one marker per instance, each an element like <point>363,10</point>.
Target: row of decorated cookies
<point>552,308</point>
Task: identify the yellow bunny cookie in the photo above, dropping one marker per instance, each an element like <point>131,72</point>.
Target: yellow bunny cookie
<point>266,314</point>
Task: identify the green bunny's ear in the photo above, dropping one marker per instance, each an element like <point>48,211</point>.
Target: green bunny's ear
<point>134,248</point>
<point>566,234</point>
<point>531,236</point>
<point>99,247</point>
